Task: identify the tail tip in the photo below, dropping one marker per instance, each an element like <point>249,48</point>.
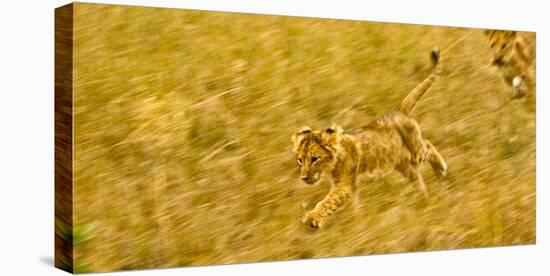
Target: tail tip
<point>435,55</point>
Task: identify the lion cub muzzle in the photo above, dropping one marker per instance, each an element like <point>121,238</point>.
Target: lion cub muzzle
<point>310,179</point>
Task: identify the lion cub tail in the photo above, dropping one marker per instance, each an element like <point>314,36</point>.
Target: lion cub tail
<point>414,96</point>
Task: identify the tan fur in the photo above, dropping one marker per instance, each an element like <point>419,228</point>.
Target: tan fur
<point>513,53</point>
<point>392,142</point>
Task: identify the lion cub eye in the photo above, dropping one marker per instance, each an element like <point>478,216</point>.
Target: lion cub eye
<point>314,159</point>
<point>504,46</point>
<point>299,160</point>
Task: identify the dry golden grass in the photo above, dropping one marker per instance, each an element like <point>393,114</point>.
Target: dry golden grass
<point>182,138</point>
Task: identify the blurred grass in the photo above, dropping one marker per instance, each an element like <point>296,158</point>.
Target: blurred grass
<point>182,138</point>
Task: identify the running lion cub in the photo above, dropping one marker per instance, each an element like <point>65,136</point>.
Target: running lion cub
<point>392,142</point>
<point>513,54</point>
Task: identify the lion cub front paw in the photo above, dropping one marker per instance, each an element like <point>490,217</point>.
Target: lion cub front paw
<point>313,219</point>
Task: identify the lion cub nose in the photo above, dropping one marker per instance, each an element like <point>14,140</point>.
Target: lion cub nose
<point>304,177</point>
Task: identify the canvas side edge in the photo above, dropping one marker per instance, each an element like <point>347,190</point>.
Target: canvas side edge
<point>64,258</point>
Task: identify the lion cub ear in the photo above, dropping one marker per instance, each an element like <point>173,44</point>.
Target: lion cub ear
<point>299,136</point>
<point>332,135</point>
<point>488,32</point>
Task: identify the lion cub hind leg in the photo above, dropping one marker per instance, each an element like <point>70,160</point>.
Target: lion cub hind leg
<point>411,172</point>
<point>437,162</point>
<point>412,138</point>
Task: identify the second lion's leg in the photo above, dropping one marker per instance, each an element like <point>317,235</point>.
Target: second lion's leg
<point>519,87</point>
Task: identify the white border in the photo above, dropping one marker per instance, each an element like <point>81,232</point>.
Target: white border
<point>26,145</point>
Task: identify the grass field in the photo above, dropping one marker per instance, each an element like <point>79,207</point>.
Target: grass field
<point>182,138</point>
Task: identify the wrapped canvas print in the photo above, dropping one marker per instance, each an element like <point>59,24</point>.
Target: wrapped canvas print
<point>187,138</point>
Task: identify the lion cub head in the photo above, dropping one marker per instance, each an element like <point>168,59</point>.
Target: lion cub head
<point>316,151</point>
<point>502,45</point>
